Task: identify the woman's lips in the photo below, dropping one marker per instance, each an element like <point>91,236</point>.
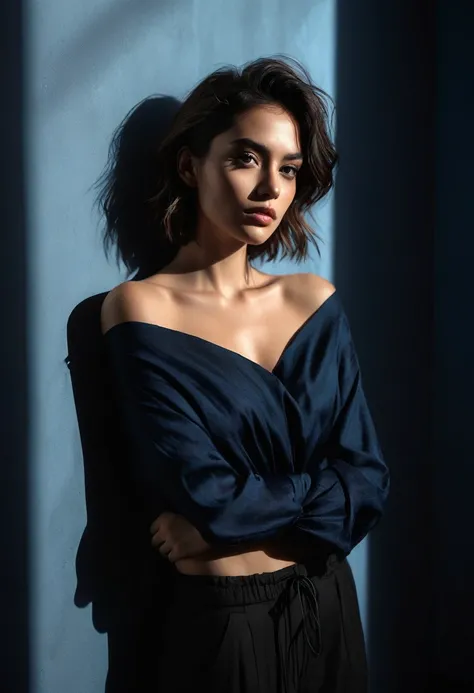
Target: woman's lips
<point>259,218</point>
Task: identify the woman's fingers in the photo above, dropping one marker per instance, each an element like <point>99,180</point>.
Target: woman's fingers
<point>157,540</point>
<point>176,538</point>
<point>165,548</point>
<point>154,528</point>
<point>163,520</point>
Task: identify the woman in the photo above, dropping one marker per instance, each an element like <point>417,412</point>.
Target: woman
<point>251,442</point>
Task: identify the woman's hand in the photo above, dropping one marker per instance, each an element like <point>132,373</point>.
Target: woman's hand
<point>176,538</point>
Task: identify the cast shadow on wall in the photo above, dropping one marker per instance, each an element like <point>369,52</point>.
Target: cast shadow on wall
<point>118,572</point>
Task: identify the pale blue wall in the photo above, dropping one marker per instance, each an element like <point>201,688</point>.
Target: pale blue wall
<point>88,63</point>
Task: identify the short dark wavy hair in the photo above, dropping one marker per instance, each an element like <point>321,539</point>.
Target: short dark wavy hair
<point>150,220</point>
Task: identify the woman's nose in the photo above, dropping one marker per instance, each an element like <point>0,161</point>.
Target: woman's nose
<point>269,186</point>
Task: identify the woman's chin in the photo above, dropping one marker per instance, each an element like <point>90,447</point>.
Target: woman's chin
<point>255,235</point>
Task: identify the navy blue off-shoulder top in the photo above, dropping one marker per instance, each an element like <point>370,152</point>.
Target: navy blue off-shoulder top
<point>243,452</point>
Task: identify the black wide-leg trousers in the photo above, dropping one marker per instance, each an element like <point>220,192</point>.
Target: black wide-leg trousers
<point>290,631</point>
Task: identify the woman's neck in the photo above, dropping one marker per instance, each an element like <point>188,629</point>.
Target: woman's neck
<point>216,270</point>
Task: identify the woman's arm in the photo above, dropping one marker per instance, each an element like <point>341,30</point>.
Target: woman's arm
<point>178,468</point>
<point>349,486</point>
<point>350,480</point>
<point>176,464</point>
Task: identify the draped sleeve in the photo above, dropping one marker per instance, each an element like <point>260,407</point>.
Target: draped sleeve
<point>350,480</point>
<point>174,460</point>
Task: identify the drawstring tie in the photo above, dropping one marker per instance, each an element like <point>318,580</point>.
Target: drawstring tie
<point>308,599</point>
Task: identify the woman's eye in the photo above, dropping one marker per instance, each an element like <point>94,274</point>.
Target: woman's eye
<point>290,171</point>
<point>246,158</point>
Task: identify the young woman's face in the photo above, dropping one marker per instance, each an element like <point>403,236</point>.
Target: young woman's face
<point>247,181</point>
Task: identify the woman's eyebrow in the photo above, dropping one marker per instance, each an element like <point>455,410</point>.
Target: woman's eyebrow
<point>262,149</point>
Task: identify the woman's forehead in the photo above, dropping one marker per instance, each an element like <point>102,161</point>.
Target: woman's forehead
<point>269,125</point>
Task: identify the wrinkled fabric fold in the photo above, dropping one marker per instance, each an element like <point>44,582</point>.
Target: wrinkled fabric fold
<point>245,453</point>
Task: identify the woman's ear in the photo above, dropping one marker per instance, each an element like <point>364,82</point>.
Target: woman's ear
<point>187,167</point>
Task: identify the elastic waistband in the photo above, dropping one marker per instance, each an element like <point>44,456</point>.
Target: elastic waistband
<point>225,590</point>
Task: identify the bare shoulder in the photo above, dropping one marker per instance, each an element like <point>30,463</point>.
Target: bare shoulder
<point>131,300</point>
<point>308,291</point>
